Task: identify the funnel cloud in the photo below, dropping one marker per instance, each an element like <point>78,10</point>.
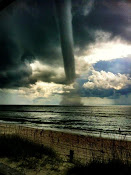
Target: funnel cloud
<point>63,10</point>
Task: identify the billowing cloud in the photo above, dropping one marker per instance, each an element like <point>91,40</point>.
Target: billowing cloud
<point>36,92</point>
<point>43,89</point>
<point>82,67</point>
<point>107,80</point>
<point>47,73</point>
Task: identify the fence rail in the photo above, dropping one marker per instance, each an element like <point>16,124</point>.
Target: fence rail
<point>73,146</point>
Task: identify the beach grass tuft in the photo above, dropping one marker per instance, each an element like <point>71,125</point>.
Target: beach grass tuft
<point>112,167</point>
<point>30,154</point>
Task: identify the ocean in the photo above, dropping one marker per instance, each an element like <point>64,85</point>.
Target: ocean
<point>102,121</point>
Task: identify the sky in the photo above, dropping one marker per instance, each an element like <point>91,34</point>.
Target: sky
<point>31,61</point>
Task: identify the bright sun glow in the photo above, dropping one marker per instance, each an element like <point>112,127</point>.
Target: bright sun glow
<point>106,51</point>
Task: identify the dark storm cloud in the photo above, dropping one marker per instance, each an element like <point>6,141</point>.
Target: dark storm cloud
<point>34,29</point>
<point>16,76</point>
<point>28,32</point>
<point>13,71</point>
<point>121,65</point>
<point>111,16</point>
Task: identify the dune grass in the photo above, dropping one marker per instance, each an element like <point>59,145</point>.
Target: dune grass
<point>13,146</point>
<point>113,167</point>
<point>32,155</point>
<point>28,153</point>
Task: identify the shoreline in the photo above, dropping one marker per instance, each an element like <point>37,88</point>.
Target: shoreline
<point>83,148</point>
<point>117,135</point>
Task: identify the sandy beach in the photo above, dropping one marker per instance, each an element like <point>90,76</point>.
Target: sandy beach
<point>76,147</point>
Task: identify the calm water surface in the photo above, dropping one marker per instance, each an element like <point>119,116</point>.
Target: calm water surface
<point>105,121</point>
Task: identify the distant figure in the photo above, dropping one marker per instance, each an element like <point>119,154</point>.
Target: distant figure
<point>41,132</point>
